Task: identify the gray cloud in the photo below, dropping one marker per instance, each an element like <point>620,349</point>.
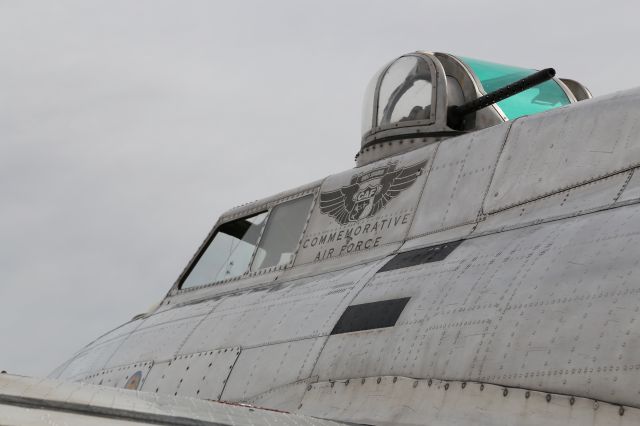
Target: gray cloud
<point>126,128</point>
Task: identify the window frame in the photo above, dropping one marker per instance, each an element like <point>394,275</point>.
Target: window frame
<point>254,210</point>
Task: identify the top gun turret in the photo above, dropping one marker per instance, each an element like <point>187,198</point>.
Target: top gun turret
<point>423,97</point>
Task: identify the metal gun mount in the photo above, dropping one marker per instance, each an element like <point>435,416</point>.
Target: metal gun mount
<point>457,113</point>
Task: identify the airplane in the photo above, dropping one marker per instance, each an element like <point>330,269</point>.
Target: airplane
<point>478,266</point>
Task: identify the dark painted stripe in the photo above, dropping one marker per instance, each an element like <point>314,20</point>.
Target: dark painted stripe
<point>369,316</point>
<point>419,256</point>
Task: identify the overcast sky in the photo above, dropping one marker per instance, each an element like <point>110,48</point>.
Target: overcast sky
<point>127,127</point>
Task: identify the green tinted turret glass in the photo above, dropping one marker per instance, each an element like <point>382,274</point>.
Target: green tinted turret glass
<point>542,97</point>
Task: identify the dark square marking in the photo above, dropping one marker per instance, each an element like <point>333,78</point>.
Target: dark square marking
<point>368,316</point>
<point>420,256</point>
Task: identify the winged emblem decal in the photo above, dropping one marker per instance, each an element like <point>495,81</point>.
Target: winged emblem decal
<point>368,192</point>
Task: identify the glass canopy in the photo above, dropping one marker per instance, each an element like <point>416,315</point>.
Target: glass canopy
<point>542,97</point>
<point>404,95</point>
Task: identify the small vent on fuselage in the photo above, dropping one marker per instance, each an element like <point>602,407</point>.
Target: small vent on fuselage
<point>369,316</point>
<point>419,256</point>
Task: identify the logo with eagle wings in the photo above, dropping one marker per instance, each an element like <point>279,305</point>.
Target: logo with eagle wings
<point>369,192</point>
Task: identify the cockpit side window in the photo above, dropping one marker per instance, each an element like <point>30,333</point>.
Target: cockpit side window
<point>282,234</point>
<point>228,253</point>
<point>263,240</point>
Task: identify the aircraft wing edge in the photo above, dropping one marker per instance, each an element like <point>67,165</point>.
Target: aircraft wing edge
<point>26,401</point>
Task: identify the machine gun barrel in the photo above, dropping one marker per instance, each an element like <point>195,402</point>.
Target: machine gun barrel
<point>457,113</point>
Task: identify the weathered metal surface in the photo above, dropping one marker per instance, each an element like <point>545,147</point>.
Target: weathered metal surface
<point>126,376</point>
<point>631,191</point>
<point>178,313</point>
<point>158,343</point>
<point>96,355</point>
<point>90,360</point>
<point>266,367</point>
<point>458,180</point>
<point>439,237</point>
<point>562,148</point>
<point>286,311</point>
<point>286,397</point>
<point>25,401</point>
<point>405,401</point>
<point>541,307</point>
<point>579,200</point>
<point>256,319</point>
<point>199,375</point>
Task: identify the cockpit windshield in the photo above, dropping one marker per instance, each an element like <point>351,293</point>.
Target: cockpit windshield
<point>229,253</point>
<point>542,97</point>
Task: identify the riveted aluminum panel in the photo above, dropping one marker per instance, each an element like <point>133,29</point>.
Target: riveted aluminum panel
<point>263,368</point>
<point>362,209</point>
<point>561,148</point>
<point>631,191</point>
<point>177,313</point>
<point>96,355</point>
<point>119,377</point>
<point>91,359</point>
<point>458,181</point>
<point>200,375</point>
<point>597,194</point>
<point>550,307</point>
<point>574,313</point>
<point>451,234</point>
<point>123,330</point>
<point>280,312</point>
<point>158,342</point>
<point>286,397</point>
<point>405,401</point>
